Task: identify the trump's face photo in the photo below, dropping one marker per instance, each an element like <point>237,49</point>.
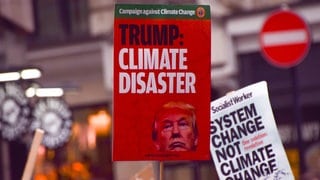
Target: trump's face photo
<point>175,129</point>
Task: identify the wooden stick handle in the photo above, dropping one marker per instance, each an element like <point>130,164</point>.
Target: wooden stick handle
<point>28,169</point>
<point>161,170</point>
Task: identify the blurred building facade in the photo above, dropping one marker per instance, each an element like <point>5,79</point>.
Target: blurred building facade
<point>72,43</point>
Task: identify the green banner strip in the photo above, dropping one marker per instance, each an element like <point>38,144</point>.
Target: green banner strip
<point>162,11</point>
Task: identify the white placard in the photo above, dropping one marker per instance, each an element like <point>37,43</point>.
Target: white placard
<point>244,140</point>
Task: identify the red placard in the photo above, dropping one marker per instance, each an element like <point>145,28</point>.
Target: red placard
<point>284,39</point>
<point>161,55</point>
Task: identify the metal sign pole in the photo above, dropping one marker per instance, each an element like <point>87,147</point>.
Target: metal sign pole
<point>298,117</point>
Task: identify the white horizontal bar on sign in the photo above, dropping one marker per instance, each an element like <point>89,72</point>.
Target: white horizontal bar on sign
<point>287,37</point>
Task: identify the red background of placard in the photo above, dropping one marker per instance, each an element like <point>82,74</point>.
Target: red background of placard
<point>133,113</point>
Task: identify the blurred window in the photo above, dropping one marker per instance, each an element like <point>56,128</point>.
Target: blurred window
<point>60,20</point>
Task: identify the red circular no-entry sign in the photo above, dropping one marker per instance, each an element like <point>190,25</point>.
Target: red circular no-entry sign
<point>284,39</point>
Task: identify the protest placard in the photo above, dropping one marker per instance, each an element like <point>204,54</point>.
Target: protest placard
<point>161,65</point>
<point>244,140</point>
